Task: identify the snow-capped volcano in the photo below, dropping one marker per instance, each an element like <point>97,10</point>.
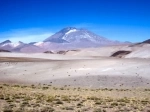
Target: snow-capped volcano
<point>71,35</point>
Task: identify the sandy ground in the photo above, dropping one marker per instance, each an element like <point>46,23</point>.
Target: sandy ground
<point>84,71</point>
<point>137,51</point>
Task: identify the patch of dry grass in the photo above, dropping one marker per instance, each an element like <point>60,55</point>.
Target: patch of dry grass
<point>45,98</point>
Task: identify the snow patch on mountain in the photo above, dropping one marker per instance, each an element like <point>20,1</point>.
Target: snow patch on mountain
<point>70,31</point>
<point>38,44</point>
<point>11,44</point>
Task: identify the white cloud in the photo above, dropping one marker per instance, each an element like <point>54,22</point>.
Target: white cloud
<point>26,35</point>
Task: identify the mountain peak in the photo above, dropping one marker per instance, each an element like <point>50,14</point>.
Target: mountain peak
<point>64,30</point>
<point>58,37</point>
<point>6,41</point>
<point>70,28</point>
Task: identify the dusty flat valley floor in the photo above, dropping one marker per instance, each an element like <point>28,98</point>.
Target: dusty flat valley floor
<point>50,82</point>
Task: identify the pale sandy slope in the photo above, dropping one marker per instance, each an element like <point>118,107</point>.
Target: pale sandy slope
<point>77,71</point>
<point>44,56</point>
<point>137,51</point>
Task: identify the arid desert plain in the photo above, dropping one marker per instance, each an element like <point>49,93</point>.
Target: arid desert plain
<point>80,80</point>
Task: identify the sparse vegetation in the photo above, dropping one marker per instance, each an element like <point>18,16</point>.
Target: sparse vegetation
<point>45,98</point>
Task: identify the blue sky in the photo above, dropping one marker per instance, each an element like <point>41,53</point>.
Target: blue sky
<point>35,20</point>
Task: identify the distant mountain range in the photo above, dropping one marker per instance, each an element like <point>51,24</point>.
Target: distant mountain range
<point>66,39</point>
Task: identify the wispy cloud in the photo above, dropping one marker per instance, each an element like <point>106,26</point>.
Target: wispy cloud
<point>26,35</point>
